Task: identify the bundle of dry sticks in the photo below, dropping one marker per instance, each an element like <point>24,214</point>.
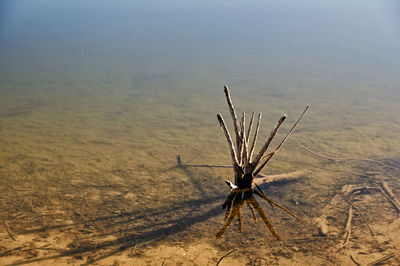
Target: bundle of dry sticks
<point>246,168</point>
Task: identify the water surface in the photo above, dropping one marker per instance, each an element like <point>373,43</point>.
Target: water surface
<point>97,98</point>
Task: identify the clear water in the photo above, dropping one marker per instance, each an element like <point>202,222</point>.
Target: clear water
<point>106,94</point>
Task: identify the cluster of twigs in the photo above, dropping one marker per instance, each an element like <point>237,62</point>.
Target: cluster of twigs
<point>348,192</point>
<point>246,167</point>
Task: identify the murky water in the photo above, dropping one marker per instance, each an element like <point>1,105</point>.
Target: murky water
<point>98,98</point>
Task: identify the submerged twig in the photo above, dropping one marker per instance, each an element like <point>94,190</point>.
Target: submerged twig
<point>347,230</point>
<point>360,213</point>
<point>8,230</point>
<point>394,199</point>
<point>354,260</point>
<point>378,261</point>
<point>227,254</point>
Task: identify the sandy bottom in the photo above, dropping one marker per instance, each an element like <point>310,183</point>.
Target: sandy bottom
<point>89,179</point>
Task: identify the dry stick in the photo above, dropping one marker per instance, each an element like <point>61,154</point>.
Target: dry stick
<point>230,252</point>
<point>270,155</point>
<point>8,230</point>
<point>264,218</point>
<point>244,144</point>
<point>266,144</point>
<point>252,211</point>
<point>243,147</point>
<point>229,139</point>
<point>240,148</point>
<point>234,118</point>
<point>395,201</point>
<point>347,230</point>
<point>378,261</point>
<point>249,129</point>
<point>253,144</point>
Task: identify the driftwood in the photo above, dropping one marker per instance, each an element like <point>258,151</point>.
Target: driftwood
<point>246,168</point>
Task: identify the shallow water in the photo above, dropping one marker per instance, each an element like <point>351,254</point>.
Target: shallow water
<point>97,99</point>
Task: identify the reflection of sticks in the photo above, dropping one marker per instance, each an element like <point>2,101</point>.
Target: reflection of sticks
<point>227,254</point>
<point>378,261</point>
<point>8,230</point>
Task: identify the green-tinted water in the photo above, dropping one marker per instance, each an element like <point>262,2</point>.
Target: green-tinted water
<point>96,99</point>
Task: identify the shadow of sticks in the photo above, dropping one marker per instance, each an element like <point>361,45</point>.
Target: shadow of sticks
<point>140,227</point>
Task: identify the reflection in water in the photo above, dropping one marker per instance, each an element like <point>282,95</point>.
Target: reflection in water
<point>97,99</point>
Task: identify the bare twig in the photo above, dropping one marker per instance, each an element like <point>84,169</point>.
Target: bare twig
<point>255,137</point>
<point>229,139</point>
<point>249,129</point>
<point>244,143</point>
<point>270,155</point>
<point>234,117</point>
<point>266,144</point>
<point>227,254</point>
